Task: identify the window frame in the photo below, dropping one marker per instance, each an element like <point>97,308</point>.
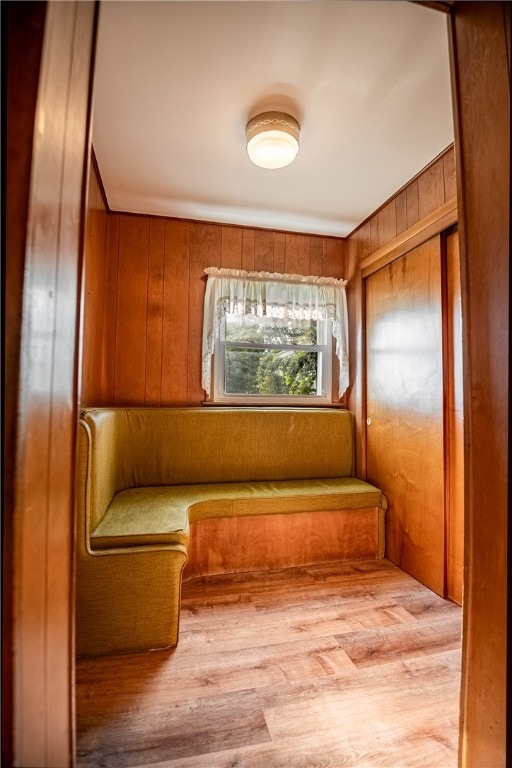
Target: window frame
<point>324,347</point>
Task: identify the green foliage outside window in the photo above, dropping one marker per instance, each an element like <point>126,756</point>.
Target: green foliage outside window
<point>263,371</point>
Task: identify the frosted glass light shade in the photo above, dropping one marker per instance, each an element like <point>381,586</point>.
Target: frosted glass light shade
<point>272,139</point>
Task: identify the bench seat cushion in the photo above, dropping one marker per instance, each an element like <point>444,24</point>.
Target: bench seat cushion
<point>160,514</point>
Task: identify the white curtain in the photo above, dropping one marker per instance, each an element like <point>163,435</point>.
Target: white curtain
<point>269,294</point>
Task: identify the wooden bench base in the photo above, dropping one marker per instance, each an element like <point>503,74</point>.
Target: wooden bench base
<point>236,544</point>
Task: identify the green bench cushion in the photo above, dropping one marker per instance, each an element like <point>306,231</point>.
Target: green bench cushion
<point>132,447</point>
<point>160,515</point>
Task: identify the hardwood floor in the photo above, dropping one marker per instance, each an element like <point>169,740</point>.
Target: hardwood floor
<point>350,664</point>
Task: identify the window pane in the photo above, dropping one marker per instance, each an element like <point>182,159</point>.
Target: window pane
<point>270,372</point>
<point>240,371</point>
<point>270,330</point>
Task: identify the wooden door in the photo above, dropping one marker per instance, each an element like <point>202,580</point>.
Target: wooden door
<point>405,445</point>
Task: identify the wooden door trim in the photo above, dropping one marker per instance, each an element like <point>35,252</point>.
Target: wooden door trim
<point>479,41</point>
<point>433,224</point>
<point>50,110</point>
<point>453,435</point>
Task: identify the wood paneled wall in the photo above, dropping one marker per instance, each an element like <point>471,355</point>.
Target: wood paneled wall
<point>421,197</point>
<point>144,298</point>
<point>47,236</point>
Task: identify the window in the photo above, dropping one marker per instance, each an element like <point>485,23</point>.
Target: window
<point>272,358</point>
<point>271,337</point>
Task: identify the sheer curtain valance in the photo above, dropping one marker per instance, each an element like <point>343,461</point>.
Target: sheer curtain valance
<point>269,294</point>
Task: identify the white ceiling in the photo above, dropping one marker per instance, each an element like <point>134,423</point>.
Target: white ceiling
<point>176,83</point>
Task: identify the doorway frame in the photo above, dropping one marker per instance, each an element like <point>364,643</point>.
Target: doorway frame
<point>479,34</point>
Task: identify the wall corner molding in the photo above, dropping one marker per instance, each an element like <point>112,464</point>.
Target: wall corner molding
<point>442,218</point>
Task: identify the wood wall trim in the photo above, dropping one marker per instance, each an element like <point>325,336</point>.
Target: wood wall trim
<point>480,66</point>
<point>427,227</point>
<point>24,23</point>
<point>453,417</point>
<point>42,504</point>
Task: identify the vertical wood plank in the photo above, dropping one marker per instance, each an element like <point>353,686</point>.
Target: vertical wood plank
<point>231,255</point>
<point>383,225</point>
<point>401,212</point>
<point>297,255</point>
<point>90,293</point>
<point>205,251</point>
<point>316,256</point>
<point>132,287</point>
<point>355,393</point>
<point>175,323</point>
<point>364,241</point>
<point>333,265</point>
<point>450,179</point>
<point>108,349</point>
<point>386,223</point>
<point>93,293</point>
<point>334,258</point>
<point>100,248</point>
<point>374,233</point>
<point>248,249</point>
<point>154,313</point>
<point>263,251</point>
<point>413,214</point>
<point>279,252</point>
<point>431,189</point>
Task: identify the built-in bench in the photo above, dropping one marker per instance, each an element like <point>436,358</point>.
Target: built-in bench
<point>219,487</point>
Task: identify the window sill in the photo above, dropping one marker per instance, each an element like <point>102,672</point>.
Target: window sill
<point>270,404</point>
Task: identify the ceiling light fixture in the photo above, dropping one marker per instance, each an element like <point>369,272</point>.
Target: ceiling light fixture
<point>272,139</point>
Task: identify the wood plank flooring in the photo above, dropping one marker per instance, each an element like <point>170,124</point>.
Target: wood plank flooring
<point>339,665</point>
